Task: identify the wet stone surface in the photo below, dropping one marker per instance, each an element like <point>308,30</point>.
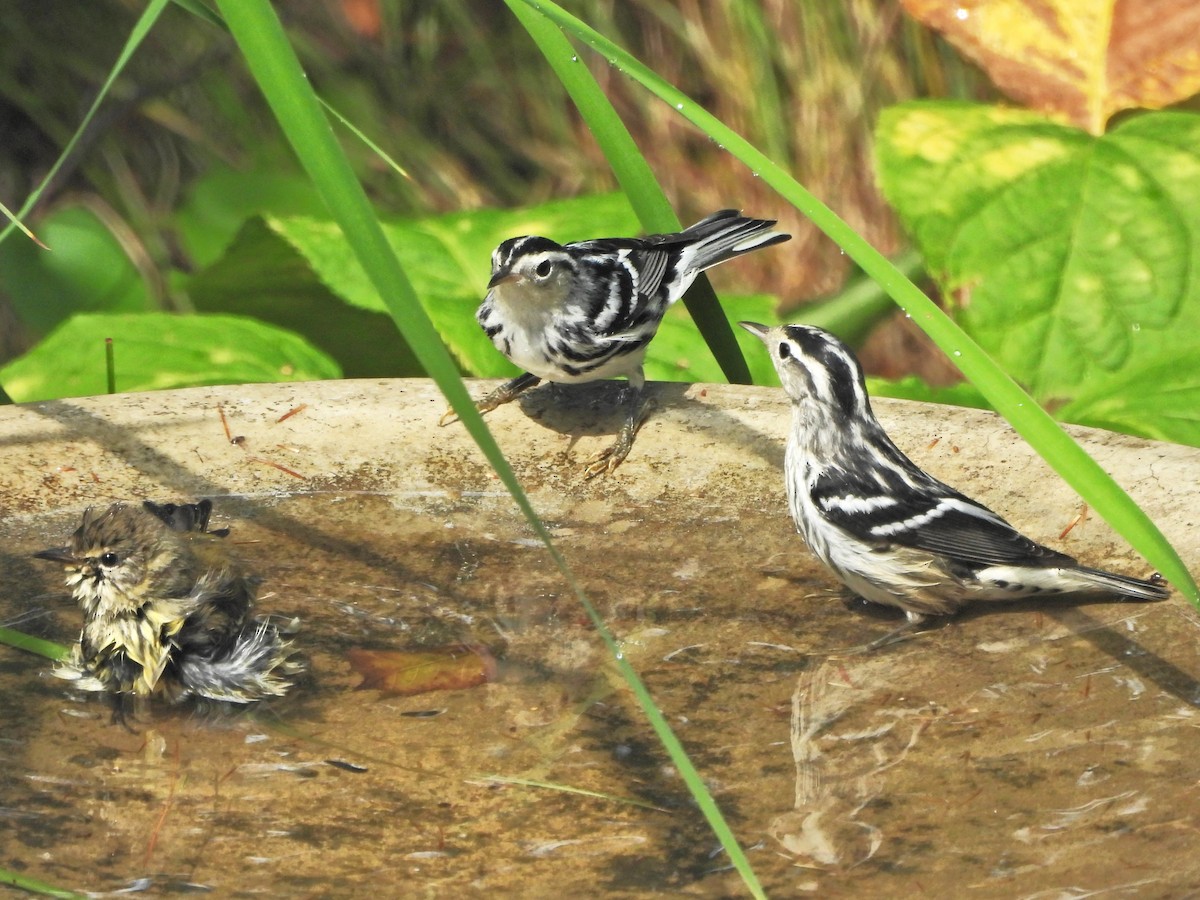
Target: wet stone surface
<point>1043,749</point>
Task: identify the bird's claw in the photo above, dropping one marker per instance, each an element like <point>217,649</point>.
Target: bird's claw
<point>606,461</point>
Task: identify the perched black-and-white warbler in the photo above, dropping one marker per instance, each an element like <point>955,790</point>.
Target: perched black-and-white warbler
<point>583,311</point>
<point>893,533</point>
<point>166,612</point>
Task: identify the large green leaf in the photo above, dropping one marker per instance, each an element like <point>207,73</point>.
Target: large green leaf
<point>158,350</point>
<point>221,201</point>
<point>263,276</point>
<point>1071,259</point>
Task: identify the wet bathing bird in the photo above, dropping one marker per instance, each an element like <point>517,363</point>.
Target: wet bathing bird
<point>891,532</point>
<point>166,612</point>
<point>584,311</point>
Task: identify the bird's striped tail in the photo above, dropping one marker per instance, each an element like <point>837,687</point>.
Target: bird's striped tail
<point>1133,588</point>
<point>724,235</point>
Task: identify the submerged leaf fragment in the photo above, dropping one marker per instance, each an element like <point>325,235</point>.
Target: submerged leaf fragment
<point>402,673</point>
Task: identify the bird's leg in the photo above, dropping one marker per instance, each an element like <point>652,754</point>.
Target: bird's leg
<point>122,705</point>
<point>906,632</point>
<point>501,395</point>
<point>610,457</point>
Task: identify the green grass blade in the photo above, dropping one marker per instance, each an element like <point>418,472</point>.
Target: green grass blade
<point>1033,423</point>
<point>371,145</point>
<point>274,66</point>
<point>23,641</point>
<point>140,29</point>
<point>33,886</point>
<point>637,180</point>
<point>14,221</point>
<point>860,306</point>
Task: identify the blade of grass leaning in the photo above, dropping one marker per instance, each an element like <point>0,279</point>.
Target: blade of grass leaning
<point>13,220</point>
<point>138,33</point>
<point>1033,423</point>
<point>33,886</point>
<point>274,66</point>
<point>637,180</point>
<point>41,647</point>
<point>371,145</point>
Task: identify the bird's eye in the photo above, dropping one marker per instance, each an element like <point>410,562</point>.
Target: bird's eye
<point>785,351</point>
<point>543,269</point>
<point>109,559</point>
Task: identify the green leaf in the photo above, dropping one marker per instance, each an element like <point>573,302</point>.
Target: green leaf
<point>158,350</point>
<point>263,276</point>
<point>85,269</point>
<point>220,202</point>
<point>1070,257</point>
<point>1160,402</point>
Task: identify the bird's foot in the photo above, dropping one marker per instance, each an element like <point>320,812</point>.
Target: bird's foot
<point>501,395</point>
<point>606,461</point>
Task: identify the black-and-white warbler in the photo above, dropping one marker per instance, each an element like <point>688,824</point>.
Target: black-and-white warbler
<point>891,532</point>
<point>583,311</point>
<point>166,612</point>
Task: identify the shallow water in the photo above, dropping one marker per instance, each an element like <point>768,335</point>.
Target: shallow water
<point>1046,750</point>
<point>1042,739</point>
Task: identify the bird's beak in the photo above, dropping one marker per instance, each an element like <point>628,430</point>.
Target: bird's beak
<point>502,277</point>
<point>759,331</point>
<point>57,554</point>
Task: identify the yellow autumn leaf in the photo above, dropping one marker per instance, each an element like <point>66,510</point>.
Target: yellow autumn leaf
<point>1077,60</point>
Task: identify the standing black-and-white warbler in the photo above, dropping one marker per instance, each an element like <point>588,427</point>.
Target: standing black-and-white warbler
<point>166,612</point>
<point>583,311</point>
<point>893,533</point>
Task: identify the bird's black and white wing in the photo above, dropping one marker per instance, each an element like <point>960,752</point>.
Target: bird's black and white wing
<point>932,517</point>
